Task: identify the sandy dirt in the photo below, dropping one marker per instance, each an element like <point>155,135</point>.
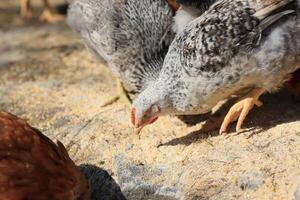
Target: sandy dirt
<point>48,78</point>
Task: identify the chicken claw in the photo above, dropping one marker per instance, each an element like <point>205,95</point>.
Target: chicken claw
<point>122,95</point>
<point>26,10</point>
<point>50,16</point>
<point>240,110</point>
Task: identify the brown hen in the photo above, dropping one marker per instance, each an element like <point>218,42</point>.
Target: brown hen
<point>35,168</point>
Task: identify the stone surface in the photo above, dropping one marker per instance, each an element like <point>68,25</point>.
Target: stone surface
<point>51,80</point>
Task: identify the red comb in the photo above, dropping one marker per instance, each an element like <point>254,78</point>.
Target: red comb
<point>173,4</point>
<point>133,111</point>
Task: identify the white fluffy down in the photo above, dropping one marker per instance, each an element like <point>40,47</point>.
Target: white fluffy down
<point>181,19</point>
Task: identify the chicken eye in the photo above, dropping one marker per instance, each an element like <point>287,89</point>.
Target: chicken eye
<point>155,109</point>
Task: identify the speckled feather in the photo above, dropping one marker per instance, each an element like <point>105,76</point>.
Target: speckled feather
<point>213,41</point>
<point>33,167</point>
<point>207,62</point>
<point>132,36</point>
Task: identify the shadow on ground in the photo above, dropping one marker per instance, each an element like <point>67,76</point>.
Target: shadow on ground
<point>103,186</point>
<point>278,108</point>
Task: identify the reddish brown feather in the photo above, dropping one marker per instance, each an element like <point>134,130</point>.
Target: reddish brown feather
<point>33,167</point>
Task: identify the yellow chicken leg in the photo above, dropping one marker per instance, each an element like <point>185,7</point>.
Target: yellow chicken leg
<point>122,95</point>
<point>26,10</point>
<point>49,14</point>
<point>240,110</point>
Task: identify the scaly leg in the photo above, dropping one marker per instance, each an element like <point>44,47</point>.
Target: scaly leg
<point>240,110</point>
<point>122,95</point>
<point>26,10</point>
<point>49,14</point>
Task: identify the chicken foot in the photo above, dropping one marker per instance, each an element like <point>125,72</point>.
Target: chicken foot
<point>240,110</point>
<point>49,14</point>
<point>122,95</point>
<point>26,10</point>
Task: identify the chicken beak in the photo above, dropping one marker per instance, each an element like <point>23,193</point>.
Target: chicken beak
<point>133,116</point>
<point>138,129</point>
<point>135,123</point>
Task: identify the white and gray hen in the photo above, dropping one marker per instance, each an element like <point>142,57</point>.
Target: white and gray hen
<point>231,49</point>
<point>132,36</point>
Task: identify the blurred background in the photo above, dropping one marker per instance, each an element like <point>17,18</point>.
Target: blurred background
<point>10,12</point>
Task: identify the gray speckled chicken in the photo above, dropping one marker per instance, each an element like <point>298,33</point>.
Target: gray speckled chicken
<point>132,36</point>
<point>238,47</point>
